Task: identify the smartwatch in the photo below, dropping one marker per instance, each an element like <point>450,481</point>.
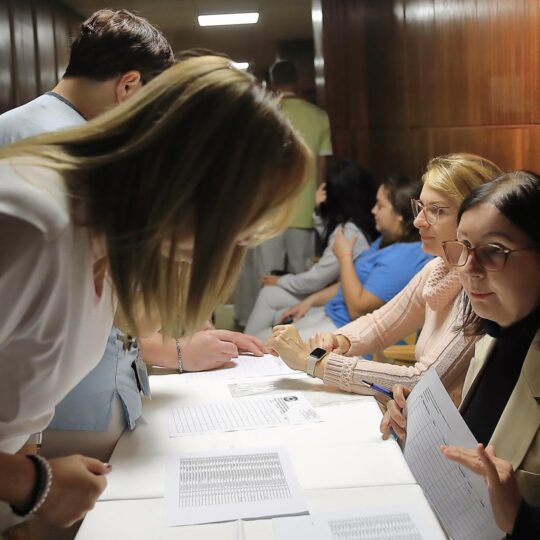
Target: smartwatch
<point>316,355</point>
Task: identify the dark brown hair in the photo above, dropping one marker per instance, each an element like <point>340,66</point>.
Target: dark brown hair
<point>114,42</point>
<point>283,73</point>
<point>516,195</point>
<point>400,190</point>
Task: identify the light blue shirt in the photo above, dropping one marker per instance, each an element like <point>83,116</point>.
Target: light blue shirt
<point>89,405</point>
<point>383,272</point>
<point>41,115</point>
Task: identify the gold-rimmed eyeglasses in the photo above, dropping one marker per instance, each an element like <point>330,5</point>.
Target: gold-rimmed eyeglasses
<point>431,211</point>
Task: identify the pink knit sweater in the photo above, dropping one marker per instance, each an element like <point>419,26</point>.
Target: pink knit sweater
<point>428,302</point>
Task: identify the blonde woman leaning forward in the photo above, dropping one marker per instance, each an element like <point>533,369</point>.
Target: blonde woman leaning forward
<point>137,208</point>
<point>428,302</point>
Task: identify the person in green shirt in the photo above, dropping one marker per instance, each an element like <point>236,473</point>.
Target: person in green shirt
<point>292,250</point>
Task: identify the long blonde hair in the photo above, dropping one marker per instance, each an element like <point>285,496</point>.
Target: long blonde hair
<point>456,175</point>
<point>201,148</point>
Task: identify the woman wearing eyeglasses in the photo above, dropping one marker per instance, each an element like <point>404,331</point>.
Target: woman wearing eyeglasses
<point>428,303</point>
<point>497,255</point>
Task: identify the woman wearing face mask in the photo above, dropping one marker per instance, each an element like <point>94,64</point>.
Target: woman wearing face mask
<point>498,257</point>
<point>136,208</point>
<point>428,303</point>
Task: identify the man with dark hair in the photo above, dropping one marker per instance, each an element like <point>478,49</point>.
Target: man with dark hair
<point>115,54</point>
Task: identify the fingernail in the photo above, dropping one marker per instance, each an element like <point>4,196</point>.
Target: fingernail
<point>108,466</point>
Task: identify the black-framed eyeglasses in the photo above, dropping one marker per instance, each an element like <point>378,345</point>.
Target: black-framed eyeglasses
<point>431,211</point>
<point>490,257</point>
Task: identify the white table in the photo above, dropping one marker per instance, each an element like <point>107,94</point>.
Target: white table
<point>342,459</point>
<point>143,520</point>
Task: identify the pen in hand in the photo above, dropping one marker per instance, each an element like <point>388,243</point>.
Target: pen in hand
<point>380,389</point>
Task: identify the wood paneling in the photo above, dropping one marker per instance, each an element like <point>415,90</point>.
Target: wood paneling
<point>61,38</point>
<point>34,47</point>
<point>6,75</point>
<point>432,77</point>
<point>46,52</point>
<point>24,65</point>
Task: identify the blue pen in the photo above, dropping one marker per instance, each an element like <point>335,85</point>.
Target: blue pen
<point>380,389</point>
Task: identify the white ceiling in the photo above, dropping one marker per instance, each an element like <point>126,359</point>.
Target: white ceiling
<point>280,20</point>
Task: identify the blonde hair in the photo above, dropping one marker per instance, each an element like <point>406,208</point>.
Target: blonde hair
<point>202,148</point>
<point>456,175</point>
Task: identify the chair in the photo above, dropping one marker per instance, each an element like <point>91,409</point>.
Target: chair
<point>400,354</point>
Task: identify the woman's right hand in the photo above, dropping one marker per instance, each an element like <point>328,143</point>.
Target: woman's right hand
<point>393,419</point>
<point>76,484</point>
<point>329,342</point>
<point>206,350</point>
<point>296,312</point>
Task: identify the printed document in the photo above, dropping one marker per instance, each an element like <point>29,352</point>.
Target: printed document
<point>393,522</point>
<point>244,413</point>
<point>243,367</point>
<point>459,496</point>
<point>209,487</point>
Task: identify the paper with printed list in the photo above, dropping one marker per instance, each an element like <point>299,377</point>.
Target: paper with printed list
<point>243,367</point>
<point>404,521</point>
<point>225,485</point>
<point>459,496</point>
<point>240,414</point>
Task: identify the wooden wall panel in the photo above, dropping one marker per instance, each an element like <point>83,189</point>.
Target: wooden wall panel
<point>385,64</point>
<point>61,38</point>
<point>46,53</point>
<point>24,57</point>
<point>6,75</point>
<point>432,77</point>
<point>34,47</point>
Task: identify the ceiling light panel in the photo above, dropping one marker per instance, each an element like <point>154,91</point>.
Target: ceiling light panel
<point>223,19</point>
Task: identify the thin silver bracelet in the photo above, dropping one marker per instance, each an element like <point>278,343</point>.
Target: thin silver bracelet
<point>179,356</point>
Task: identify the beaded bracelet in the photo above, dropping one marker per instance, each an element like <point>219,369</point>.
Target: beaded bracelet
<point>41,488</point>
<point>179,356</point>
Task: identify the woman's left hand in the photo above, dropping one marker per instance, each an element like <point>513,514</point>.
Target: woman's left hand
<point>500,479</point>
<point>288,344</point>
<point>341,246</point>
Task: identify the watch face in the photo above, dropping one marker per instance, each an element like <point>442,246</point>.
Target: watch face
<point>317,353</point>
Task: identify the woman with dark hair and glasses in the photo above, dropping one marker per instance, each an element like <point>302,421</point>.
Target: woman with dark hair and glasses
<point>427,304</point>
<point>497,255</point>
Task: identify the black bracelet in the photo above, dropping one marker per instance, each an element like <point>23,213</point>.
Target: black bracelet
<point>41,488</point>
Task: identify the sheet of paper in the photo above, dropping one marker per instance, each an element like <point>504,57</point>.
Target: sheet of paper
<point>209,487</point>
<point>458,496</point>
<point>240,414</point>
<point>396,522</point>
<point>244,366</point>
<point>314,390</point>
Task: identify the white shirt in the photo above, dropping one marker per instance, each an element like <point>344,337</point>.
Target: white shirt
<point>53,326</point>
